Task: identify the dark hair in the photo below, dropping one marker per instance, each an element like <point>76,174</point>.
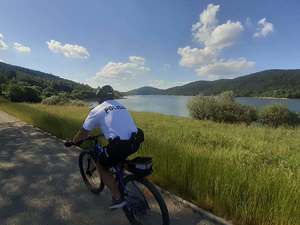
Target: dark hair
<point>105,93</point>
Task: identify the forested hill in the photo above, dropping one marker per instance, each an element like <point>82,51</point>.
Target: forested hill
<point>146,91</point>
<point>39,84</point>
<point>268,83</point>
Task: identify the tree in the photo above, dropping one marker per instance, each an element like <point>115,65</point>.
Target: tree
<point>31,94</point>
<point>11,74</point>
<point>15,93</point>
<point>49,91</point>
<point>19,93</point>
<point>3,79</point>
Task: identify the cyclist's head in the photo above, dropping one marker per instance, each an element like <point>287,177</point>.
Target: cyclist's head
<point>104,93</point>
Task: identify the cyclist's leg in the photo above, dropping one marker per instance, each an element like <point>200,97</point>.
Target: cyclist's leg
<point>109,181</point>
<point>112,155</point>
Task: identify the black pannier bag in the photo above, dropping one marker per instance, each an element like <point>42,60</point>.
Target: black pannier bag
<point>140,166</point>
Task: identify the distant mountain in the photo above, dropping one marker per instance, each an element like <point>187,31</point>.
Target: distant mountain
<point>145,91</point>
<point>268,83</point>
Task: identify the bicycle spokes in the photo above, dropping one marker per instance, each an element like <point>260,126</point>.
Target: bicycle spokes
<point>144,204</point>
<point>87,171</point>
<point>91,171</point>
<point>136,199</point>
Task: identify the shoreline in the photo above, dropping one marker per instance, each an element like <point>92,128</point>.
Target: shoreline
<point>269,98</point>
<point>259,97</point>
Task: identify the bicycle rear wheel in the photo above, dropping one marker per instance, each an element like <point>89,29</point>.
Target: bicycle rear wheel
<point>145,205</point>
<point>90,173</point>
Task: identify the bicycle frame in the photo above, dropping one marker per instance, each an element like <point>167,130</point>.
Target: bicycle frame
<point>118,171</point>
<point>135,204</point>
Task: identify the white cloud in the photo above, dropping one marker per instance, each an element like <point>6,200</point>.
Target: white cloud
<point>137,60</point>
<point>68,50</point>
<point>124,70</point>
<point>193,57</point>
<point>3,45</point>
<point>21,48</point>
<point>225,35</point>
<point>264,28</point>
<point>207,31</point>
<point>206,24</point>
<point>116,73</point>
<point>214,38</point>
<point>225,68</point>
<point>127,79</point>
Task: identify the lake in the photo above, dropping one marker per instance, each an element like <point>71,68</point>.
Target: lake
<point>176,105</point>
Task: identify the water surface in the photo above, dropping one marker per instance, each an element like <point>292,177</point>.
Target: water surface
<point>176,105</point>
<point>166,104</point>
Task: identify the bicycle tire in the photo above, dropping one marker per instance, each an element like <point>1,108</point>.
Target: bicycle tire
<point>162,205</point>
<point>99,188</point>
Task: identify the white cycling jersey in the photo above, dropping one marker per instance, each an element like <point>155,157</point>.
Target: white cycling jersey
<point>112,118</point>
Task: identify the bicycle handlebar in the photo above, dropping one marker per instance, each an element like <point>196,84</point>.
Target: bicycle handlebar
<point>70,143</point>
<point>93,137</point>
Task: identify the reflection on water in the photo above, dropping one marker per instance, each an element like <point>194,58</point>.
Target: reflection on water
<point>176,105</point>
<point>166,104</point>
<point>292,104</point>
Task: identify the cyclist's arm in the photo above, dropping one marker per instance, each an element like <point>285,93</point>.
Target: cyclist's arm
<point>81,135</point>
<point>90,123</point>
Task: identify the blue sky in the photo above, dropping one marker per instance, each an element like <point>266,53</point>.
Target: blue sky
<point>161,43</point>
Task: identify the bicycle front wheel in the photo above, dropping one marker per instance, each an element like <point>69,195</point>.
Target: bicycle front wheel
<point>90,173</point>
<point>145,205</point>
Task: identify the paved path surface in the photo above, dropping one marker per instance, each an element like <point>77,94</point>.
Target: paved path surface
<point>40,184</point>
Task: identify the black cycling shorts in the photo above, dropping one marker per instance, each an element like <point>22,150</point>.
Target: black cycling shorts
<point>118,150</point>
<point>115,152</point>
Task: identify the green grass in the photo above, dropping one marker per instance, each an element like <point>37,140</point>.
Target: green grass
<point>248,174</point>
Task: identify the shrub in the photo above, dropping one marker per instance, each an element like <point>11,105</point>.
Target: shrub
<point>62,100</point>
<point>82,94</point>
<point>49,91</point>
<point>55,100</point>
<point>14,93</point>
<point>221,108</point>
<point>202,107</point>
<point>278,115</point>
<point>31,94</point>
<point>77,103</point>
<point>19,93</point>
<point>234,112</point>
<point>226,97</point>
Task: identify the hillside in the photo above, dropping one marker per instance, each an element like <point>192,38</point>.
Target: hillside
<point>40,84</point>
<point>33,86</point>
<point>146,91</point>
<point>268,83</point>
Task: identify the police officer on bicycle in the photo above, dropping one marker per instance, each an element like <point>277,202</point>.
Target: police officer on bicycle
<point>118,127</point>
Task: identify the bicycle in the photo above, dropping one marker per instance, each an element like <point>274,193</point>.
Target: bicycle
<point>139,193</point>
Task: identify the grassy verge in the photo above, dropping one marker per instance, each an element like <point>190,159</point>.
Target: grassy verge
<point>248,174</point>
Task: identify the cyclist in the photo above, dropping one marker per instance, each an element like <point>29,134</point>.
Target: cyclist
<point>118,127</point>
